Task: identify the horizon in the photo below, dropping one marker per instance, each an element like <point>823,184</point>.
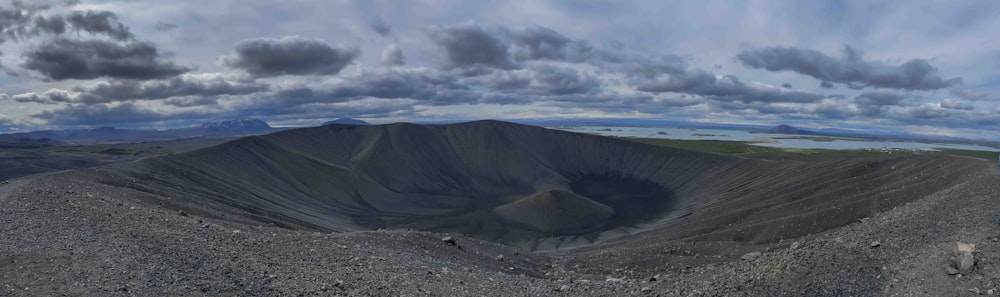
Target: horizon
<point>558,123</point>
<point>161,65</point>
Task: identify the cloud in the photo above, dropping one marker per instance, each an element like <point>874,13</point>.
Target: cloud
<point>290,55</point>
<point>55,96</point>
<point>874,103</point>
<point>197,87</point>
<point>425,85</point>
<point>727,88</point>
<point>8,124</point>
<point>541,43</point>
<point>869,99</point>
<point>54,24</point>
<point>23,24</point>
<point>926,111</point>
<point>826,85</point>
<point>620,103</point>
<point>200,85</point>
<point>381,27</point>
<point>61,59</point>
<point>392,55</point>
<point>14,22</point>
<point>955,104</point>
<point>640,65</point>
<point>163,27</point>
<point>786,85</point>
<point>552,80</point>
<point>107,114</point>
<point>851,70</point>
<point>469,45</point>
<point>99,22</point>
<point>973,95</point>
<point>191,101</point>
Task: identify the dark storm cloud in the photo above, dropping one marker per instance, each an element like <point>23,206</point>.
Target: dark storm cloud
<point>381,27</point>
<point>479,51</point>
<point>392,55</point>
<point>20,24</point>
<point>851,70</point>
<point>53,24</point>
<point>541,43</point>
<point>469,45</point>
<point>99,22</point>
<point>826,85</point>
<point>13,23</point>
<point>786,85</point>
<point>61,59</point>
<point>267,57</point>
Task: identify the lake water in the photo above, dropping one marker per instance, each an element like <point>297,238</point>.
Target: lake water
<point>767,139</point>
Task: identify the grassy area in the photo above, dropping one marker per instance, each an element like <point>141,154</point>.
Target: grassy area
<point>746,149</point>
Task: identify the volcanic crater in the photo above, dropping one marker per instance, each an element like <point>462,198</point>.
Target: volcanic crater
<point>522,186</point>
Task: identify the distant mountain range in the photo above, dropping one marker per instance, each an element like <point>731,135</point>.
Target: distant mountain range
<point>111,134</point>
<point>832,132</point>
<point>347,121</point>
<point>786,129</point>
<point>237,125</point>
<point>253,126</point>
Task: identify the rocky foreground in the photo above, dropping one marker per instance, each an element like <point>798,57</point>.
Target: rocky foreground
<point>68,235</point>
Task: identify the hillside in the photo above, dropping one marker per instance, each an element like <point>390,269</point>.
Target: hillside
<point>252,217</point>
<point>346,121</point>
<point>465,177</point>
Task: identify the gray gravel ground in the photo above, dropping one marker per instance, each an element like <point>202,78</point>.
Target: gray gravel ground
<point>66,235</point>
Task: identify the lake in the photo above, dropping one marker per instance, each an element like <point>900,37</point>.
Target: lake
<point>768,139</point>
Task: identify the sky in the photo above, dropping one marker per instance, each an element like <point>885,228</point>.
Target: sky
<point>904,66</point>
